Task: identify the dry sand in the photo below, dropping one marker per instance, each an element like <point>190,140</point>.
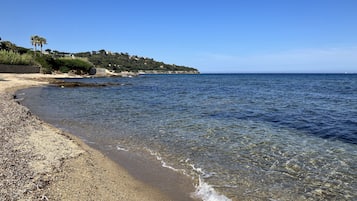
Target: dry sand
<point>40,162</point>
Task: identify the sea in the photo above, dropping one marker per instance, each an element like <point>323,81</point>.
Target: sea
<point>238,136</point>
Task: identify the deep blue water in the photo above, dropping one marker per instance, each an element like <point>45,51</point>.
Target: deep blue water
<point>250,136</point>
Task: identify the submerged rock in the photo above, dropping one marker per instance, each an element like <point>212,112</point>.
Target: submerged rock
<point>63,84</point>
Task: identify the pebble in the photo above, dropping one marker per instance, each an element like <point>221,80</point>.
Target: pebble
<point>17,180</point>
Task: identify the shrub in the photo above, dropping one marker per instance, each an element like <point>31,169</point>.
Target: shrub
<point>78,65</point>
<point>13,58</point>
<point>64,69</point>
<point>46,62</point>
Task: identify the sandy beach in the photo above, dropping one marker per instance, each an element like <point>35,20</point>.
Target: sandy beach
<point>40,162</point>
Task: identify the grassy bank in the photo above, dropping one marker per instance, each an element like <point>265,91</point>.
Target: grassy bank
<point>13,58</point>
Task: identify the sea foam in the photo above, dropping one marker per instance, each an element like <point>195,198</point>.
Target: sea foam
<point>121,149</point>
<point>203,190</point>
<point>206,192</point>
<point>163,163</point>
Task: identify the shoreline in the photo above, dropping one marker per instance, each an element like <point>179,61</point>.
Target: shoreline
<point>45,163</point>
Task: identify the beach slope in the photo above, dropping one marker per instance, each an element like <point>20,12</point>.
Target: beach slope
<point>40,162</point>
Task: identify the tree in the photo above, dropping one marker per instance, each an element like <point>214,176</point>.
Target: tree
<point>8,46</point>
<point>42,41</point>
<point>35,41</point>
<point>38,41</point>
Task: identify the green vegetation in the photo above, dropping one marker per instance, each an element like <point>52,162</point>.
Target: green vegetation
<point>14,58</point>
<point>49,64</point>
<point>124,62</point>
<point>38,41</point>
<point>79,63</point>
<point>46,62</point>
<point>81,66</point>
<point>8,46</point>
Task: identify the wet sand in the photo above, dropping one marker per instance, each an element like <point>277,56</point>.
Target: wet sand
<point>40,162</point>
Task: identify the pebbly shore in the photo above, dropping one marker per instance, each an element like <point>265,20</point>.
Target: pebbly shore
<point>40,162</point>
<point>18,179</point>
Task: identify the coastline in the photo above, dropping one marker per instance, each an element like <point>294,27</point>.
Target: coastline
<point>44,163</point>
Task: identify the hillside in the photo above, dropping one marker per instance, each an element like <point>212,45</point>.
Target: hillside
<point>120,62</point>
<point>81,63</point>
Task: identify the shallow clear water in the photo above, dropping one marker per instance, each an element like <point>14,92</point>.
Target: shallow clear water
<point>251,137</point>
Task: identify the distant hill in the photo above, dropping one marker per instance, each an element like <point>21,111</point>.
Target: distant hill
<point>82,62</point>
<point>120,62</point>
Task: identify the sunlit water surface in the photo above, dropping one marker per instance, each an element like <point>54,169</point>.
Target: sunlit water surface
<point>250,137</point>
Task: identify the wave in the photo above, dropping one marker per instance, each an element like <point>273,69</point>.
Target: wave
<point>163,163</point>
<point>203,191</point>
<point>121,149</point>
<point>206,192</point>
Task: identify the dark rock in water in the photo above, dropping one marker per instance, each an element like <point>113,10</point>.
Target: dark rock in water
<point>92,71</point>
<point>61,83</point>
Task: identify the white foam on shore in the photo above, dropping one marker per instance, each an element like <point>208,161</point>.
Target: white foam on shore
<point>203,191</point>
<point>163,163</point>
<point>206,192</point>
<point>121,148</point>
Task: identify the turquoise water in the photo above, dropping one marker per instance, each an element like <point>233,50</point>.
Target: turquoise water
<point>247,136</point>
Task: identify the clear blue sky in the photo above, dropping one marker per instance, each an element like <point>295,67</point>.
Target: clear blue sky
<point>213,36</point>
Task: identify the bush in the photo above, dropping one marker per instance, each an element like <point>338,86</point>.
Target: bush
<point>7,45</point>
<point>13,58</point>
<point>78,65</point>
<point>64,65</point>
<point>46,62</point>
<point>64,69</point>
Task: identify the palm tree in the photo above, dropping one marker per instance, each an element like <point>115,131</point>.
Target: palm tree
<point>42,41</point>
<point>35,41</point>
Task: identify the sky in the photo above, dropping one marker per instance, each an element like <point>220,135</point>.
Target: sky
<point>225,36</point>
